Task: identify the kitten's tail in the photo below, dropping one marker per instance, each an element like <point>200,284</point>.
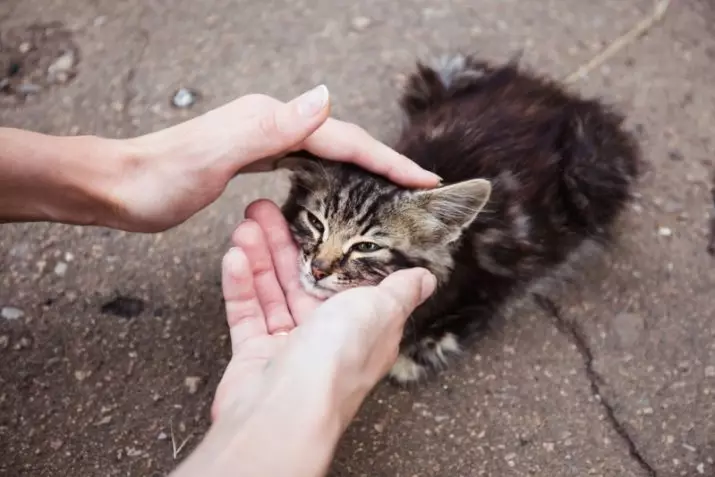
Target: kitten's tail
<point>441,79</point>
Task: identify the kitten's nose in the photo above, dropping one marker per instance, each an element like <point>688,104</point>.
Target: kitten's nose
<point>319,269</point>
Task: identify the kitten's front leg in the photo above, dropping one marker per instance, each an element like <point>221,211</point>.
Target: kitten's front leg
<point>429,351</point>
<point>428,355</point>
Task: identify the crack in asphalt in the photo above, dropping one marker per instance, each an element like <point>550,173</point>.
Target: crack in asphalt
<point>575,333</point>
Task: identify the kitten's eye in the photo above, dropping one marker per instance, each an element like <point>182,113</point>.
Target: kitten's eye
<point>366,247</point>
<point>315,222</point>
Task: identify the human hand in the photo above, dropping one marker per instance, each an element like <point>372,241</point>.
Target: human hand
<point>174,173</point>
<point>321,357</point>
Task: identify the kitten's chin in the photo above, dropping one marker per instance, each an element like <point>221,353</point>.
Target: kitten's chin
<point>314,289</point>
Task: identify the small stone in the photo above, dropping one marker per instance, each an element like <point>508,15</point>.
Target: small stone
<point>665,231</point>
<point>69,257</point>
<point>701,468</point>
<point>23,343</point>
<point>192,383</point>
<point>60,69</point>
<point>360,23</point>
<point>28,88</point>
<point>710,371</point>
<point>11,313</point>
<point>25,46</point>
<point>184,98</point>
<point>56,444</point>
<point>647,411</point>
<point>117,106</point>
<point>379,427</point>
<point>80,375</point>
<point>60,269</point>
<point>4,341</point>
<point>549,446</point>
<point>162,436</point>
<point>689,448</point>
<point>104,421</point>
<point>669,439</point>
<point>133,452</point>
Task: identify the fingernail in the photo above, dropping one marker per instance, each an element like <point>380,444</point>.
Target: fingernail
<point>429,283</point>
<point>313,102</point>
<point>436,178</point>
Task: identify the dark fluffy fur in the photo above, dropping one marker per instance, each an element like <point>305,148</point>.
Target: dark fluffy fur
<point>561,170</point>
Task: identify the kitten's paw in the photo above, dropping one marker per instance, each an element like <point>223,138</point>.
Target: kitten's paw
<point>429,355</point>
<point>406,371</point>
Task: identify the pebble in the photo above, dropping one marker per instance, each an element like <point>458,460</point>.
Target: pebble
<point>184,98</point>
<point>665,231</point>
<point>60,269</point>
<point>28,88</point>
<point>360,23</point>
<point>162,436</point>
<point>60,69</point>
<point>56,444</point>
<point>11,313</point>
<point>710,371</point>
<point>133,452</point>
<point>192,383</point>
<point>25,46</point>
<point>80,375</point>
<point>701,468</point>
<point>4,341</point>
<point>105,420</point>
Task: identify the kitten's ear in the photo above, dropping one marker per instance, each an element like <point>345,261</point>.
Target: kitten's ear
<point>455,206</point>
<point>304,167</point>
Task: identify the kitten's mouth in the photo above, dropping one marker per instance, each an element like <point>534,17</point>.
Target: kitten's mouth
<point>315,289</point>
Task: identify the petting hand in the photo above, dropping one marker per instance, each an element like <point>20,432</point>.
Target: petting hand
<point>178,171</point>
<point>283,338</point>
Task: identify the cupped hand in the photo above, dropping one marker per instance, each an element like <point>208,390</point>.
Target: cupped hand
<point>283,338</point>
<point>172,174</point>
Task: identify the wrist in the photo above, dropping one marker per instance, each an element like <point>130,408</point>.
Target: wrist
<point>292,429</point>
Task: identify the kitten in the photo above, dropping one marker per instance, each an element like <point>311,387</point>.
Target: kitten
<point>531,172</point>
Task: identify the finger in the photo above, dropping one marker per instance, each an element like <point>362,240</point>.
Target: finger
<point>250,238</point>
<point>404,291</point>
<point>275,130</point>
<point>344,142</point>
<point>285,257</point>
<point>243,310</point>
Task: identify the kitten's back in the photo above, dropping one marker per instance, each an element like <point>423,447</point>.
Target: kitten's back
<point>535,141</point>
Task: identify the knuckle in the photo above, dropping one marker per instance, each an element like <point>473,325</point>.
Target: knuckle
<point>268,126</point>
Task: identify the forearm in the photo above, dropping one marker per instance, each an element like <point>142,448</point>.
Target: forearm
<point>58,179</point>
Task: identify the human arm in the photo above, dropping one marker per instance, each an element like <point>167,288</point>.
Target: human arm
<point>156,181</point>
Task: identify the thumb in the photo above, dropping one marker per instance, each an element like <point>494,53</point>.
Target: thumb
<point>281,128</point>
<point>405,290</point>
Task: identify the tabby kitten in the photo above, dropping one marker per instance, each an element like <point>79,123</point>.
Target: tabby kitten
<point>532,172</point>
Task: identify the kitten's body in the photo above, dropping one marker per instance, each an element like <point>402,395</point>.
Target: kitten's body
<point>561,169</point>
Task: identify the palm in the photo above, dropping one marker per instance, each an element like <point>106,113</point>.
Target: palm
<point>264,300</point>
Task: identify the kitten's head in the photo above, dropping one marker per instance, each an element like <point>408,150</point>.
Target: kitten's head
<point>354,228</point>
